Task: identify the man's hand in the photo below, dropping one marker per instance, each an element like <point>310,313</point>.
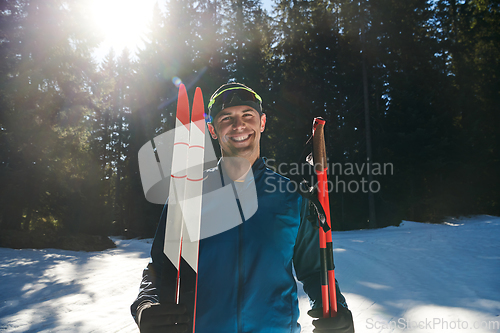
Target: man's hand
<point>165,318</point>
<point>342,323</point>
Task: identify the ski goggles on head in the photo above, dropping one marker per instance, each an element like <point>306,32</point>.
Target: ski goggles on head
<point>234,96</point>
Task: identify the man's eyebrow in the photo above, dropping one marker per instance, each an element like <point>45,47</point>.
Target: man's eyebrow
<point>250,110</point>
<point>224,113</point>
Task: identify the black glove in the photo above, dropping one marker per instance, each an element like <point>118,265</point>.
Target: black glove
<point>342,323</point>
<point>165,318</point>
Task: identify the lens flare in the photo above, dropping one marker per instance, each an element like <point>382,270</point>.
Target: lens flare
<point>176,81</point>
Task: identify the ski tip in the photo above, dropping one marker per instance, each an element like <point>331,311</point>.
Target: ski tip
<point>182,90</point>
<point>183,106</point>
<point>198,116</point>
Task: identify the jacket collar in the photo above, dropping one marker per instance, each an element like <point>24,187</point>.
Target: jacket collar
<point>258,167</point>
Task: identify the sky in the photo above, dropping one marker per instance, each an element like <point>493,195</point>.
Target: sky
<point>122,23</point>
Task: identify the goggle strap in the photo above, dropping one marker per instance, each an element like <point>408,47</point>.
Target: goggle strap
<point>212,102</point>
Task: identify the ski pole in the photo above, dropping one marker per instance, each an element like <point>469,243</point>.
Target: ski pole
<point>328,291</point>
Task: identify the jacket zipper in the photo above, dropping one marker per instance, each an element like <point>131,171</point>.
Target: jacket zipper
<point>239,293</point>
<point>240,277</point>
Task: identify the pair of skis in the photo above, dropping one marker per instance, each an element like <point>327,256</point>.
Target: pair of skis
<point>328,289</point>
<point>182,232</point>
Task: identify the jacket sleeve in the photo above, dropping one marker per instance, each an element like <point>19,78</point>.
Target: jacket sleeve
<point>306,259</point>
<point>157,275</point>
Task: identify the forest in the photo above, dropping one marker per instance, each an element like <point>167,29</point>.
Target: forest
<point>411,87</point>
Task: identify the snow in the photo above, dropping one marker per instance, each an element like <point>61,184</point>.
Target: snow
<point>65,291</point>
<point>417,277</point>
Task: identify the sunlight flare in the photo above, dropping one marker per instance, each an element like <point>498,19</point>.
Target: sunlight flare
<point>122,23</point>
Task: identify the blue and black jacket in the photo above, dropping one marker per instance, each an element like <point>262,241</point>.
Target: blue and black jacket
<point>245,278</point>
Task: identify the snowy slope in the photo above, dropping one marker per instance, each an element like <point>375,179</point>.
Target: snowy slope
<point>414,278</point>
<point>65,291</point>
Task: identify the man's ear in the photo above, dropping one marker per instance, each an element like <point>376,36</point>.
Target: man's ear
<point>211,129</point>
<point>262,122</point>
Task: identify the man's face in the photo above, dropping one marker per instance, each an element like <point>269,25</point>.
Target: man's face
<point>238,129</point>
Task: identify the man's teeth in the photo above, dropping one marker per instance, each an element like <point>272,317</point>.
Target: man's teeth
<point>239,138</point>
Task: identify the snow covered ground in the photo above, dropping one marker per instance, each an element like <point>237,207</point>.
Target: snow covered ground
<point>414,278</point>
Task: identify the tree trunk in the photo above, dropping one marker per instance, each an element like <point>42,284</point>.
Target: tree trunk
<point>371,200</point>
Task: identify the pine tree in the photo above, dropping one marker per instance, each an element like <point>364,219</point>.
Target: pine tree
<point>46,98</point>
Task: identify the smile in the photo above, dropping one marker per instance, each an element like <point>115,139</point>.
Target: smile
<point>240,138</point>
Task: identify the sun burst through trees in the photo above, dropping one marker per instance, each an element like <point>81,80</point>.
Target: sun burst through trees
<point>122,23</point>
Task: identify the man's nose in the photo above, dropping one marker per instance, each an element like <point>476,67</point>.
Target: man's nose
<point>238,123</point>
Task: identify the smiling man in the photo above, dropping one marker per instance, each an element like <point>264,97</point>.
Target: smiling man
<point>245,274</point>
<point>239,128</point>
<point>237,122</point>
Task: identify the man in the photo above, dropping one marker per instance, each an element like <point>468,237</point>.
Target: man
<point>245,281</point>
